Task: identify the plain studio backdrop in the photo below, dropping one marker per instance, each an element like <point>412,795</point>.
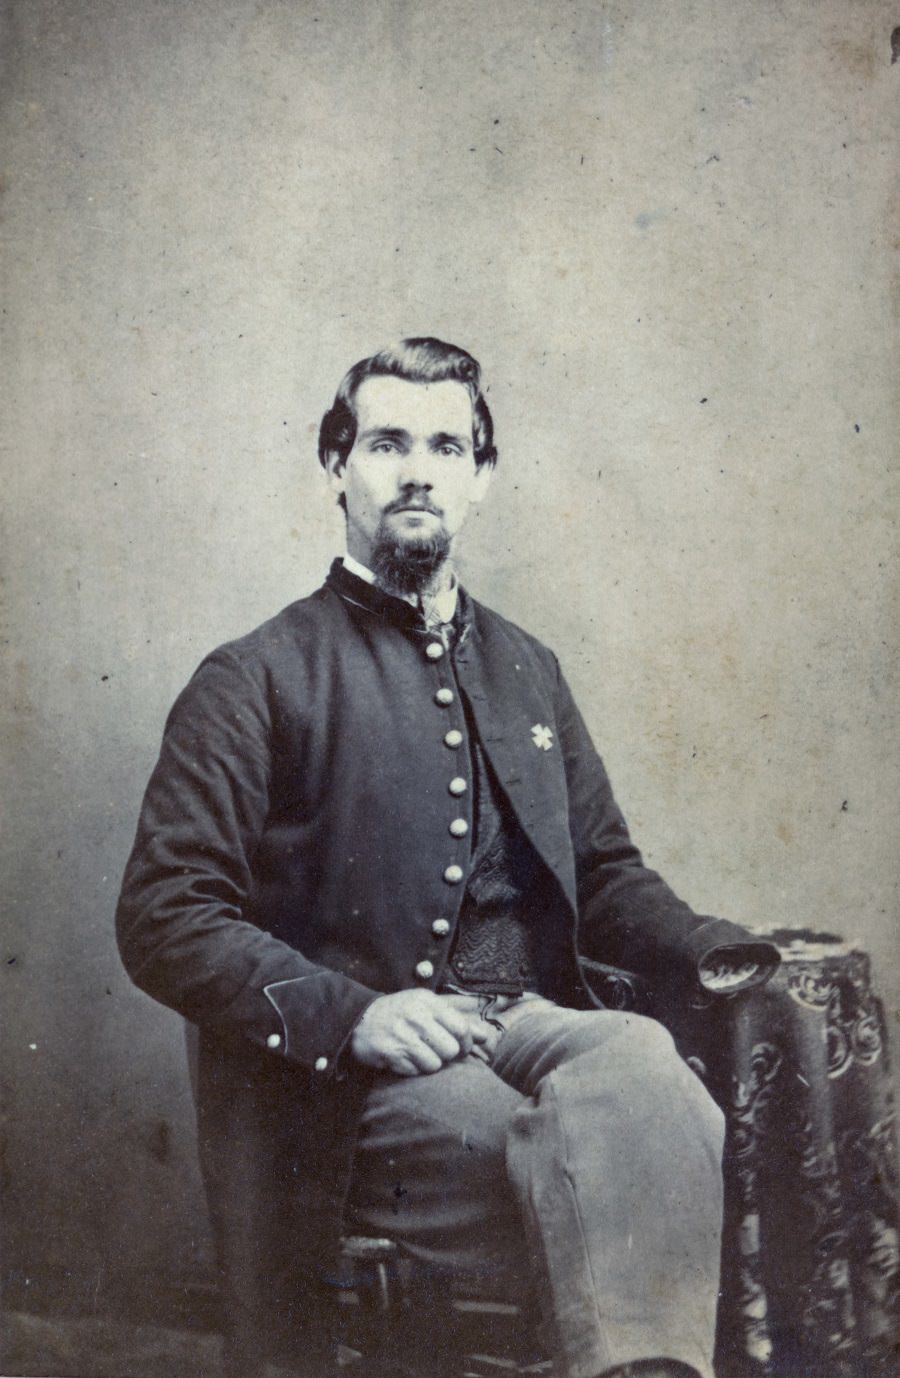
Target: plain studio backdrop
<point>665,230</point>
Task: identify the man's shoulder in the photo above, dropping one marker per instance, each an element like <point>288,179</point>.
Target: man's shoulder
<point>282,636</point>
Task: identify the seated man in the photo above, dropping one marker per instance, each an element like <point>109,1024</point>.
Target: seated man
<point>377,841</point>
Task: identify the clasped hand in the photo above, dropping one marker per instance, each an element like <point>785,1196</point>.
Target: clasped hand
<point>414,1031</point>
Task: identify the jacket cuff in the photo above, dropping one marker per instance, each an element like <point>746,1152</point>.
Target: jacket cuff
<point>732,967</point>
<point>728,958</point>
<point>316,1016</point>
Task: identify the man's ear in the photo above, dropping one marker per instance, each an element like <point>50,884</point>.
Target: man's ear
<point>336,468</point>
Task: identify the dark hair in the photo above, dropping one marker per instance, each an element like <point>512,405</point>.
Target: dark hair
<point>418,360</point>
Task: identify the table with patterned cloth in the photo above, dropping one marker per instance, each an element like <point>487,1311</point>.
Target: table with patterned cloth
<point>810,1251</point>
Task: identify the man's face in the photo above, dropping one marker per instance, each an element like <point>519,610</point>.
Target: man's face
<point>411,474</point>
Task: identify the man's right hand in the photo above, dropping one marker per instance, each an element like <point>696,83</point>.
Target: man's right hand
<point>415,1031</point>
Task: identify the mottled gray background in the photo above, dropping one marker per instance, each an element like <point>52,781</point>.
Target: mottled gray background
<point>666,232</point>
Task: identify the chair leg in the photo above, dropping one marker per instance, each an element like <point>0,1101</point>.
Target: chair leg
<point>382,1301</point>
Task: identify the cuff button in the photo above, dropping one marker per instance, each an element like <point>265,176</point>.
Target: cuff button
<point>273,1041</point>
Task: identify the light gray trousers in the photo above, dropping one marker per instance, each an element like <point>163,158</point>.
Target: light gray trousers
<point>589,1150</point>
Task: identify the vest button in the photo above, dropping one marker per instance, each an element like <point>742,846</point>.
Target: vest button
<point>434,650</point>
<point>424,970</point>
<point>453,738</point>
<point>459,827</point>
<point>444,697</point>
<point>321,1064</point>
<point>453,874</point>
<point>457,785</point>
<point>440,928</point>
<point>273,1041</point>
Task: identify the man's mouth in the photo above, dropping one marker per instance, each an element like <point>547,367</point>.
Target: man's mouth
<point>412,507</point>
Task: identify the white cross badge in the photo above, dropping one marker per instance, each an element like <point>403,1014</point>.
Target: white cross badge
<point>542,736</point>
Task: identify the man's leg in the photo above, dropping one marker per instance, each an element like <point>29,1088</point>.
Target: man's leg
<point>430,1170</point>
<point>430,1173</point>
<point>615,1155</point>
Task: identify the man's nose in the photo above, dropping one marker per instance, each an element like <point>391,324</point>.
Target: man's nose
<point>415,468</point>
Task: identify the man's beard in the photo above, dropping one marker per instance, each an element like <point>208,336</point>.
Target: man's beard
<point>408,564</point>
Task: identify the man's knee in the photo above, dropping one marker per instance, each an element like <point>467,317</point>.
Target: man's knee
<point>644,1040</point>
<point>626,1038</point>
<point>649,1062</point>
<point>464,1105</point>
<point>613,1055</point>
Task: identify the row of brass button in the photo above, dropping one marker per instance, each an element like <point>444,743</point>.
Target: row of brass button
<point>459,827</point>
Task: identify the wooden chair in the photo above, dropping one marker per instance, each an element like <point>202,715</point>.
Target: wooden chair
<point>387,1327</point>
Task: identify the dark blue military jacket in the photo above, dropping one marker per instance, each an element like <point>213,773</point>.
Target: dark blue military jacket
<point>294,855</point>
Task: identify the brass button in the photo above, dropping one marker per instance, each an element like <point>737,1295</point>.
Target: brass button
<point>440,928</point>
<point>453,737</point>
<point>321,1063</point>
<point>424,970</point>
<point>444,697</point>
<point>453,874</point>
<point>459,827</point>
<point>434,650</point>
<point>457,785</point>
<point>273,1041</point>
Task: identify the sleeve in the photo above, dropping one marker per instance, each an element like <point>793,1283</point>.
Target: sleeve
<point>628,915</point>
<point>180,921</point>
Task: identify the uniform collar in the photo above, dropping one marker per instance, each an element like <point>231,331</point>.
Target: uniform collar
<point>354,583</point>
<point>438,607</point>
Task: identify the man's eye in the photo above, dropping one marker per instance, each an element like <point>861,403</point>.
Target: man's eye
<point>384,447</point>
<point>449,450</point>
